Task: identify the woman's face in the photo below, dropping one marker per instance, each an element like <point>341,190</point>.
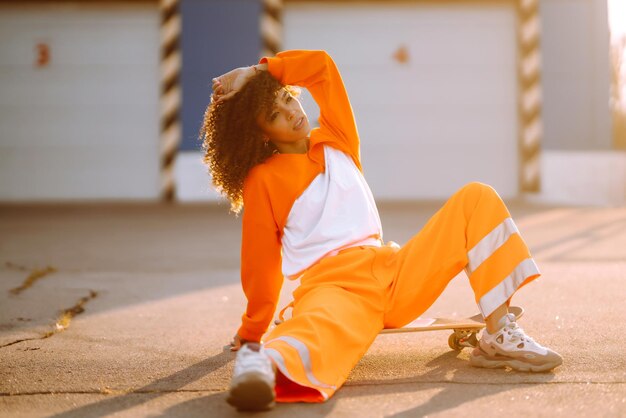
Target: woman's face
<point>286,122</point>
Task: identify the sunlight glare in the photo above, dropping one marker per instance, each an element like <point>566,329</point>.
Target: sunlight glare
<point>617,16</point>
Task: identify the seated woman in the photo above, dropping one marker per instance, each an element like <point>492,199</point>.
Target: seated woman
<point>309,214</point>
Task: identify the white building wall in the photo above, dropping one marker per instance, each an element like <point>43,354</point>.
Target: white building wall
<point>582,178</point>
<point>86,126</point>
<point>578,165</point>
<point>575,75</point>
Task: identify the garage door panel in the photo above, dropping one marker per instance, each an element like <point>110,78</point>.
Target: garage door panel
<point>451,127</point>
<point>120,86</point>
<point>432,175</point>
<point>451,89</point>
<point>53,126</point>
<point>117,35</point>
<point>374,28</point>
<point>57,173</point>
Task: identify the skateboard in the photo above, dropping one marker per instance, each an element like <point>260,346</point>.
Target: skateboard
<point>465,329</point>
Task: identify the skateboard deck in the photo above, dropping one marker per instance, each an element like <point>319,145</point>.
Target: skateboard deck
<point>465,329</point>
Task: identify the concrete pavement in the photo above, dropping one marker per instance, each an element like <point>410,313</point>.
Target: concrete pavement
<point>129,308</point>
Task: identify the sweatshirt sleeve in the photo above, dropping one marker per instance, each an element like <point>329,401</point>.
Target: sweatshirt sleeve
<point>261,274</point>
<point>317,72</point>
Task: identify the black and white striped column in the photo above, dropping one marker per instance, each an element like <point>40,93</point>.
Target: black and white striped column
<point>170,94</point>
<point>529,67</point>
<point>271,27</point>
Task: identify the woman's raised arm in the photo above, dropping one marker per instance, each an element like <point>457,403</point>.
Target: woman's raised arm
<point>316,71</point>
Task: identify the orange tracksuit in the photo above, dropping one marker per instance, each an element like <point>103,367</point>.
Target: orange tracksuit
<point>354,286</point>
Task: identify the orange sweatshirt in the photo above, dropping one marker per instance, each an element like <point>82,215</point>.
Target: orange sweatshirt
<point>271,188</point>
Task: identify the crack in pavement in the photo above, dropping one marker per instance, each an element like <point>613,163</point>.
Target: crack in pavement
<point>63,321</point>
<point>34,275</point>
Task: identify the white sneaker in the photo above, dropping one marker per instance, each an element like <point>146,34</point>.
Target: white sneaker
<point>511,347</point>
<point>254,378</point>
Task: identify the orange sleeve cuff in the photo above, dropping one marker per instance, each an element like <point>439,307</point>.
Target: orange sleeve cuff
<point>249,335</point>
<point>274,66</point>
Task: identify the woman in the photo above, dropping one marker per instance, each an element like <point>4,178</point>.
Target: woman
<point>309,214</point>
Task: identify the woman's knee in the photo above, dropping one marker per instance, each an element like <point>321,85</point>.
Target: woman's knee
<point>475,191</point>
<point>478,188</point>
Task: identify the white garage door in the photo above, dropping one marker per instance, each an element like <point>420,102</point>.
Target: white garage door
<point>443,116</point>
<point>79,101</point>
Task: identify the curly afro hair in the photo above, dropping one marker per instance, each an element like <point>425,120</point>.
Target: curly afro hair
<point>232,140</point>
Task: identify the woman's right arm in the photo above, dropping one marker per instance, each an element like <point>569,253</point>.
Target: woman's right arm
<point>261,273</point>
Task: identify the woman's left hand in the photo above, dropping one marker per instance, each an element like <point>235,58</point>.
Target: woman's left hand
<point>237,342</point>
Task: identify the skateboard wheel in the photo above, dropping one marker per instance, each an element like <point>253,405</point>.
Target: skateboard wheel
<point>453,342</point>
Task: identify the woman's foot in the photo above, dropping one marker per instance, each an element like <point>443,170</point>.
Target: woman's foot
<point>511,347</point>
<point>254,378</point>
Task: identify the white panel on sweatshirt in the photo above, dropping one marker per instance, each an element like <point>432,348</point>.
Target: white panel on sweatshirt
<point>336,211</point>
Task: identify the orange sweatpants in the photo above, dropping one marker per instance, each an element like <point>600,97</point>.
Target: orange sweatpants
<point>345,300</point>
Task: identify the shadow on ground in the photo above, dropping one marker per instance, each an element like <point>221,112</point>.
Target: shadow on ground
<point>441,376</point>
<point>156,389</point>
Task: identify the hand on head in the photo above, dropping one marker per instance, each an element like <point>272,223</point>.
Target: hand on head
<point>227,85</point>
